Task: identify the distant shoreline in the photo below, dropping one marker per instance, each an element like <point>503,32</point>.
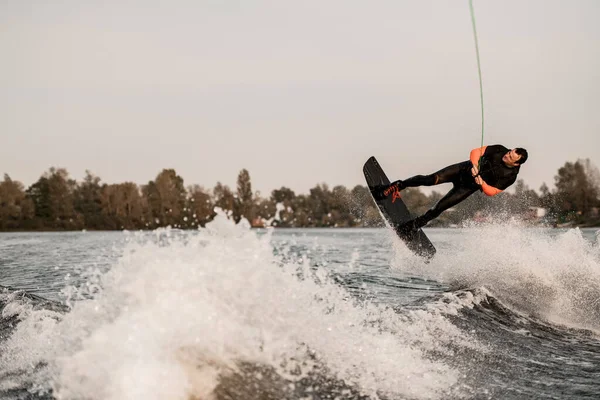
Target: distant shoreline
<point>57,203</point>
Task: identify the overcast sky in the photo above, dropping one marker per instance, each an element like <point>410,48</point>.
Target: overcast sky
<point>297,92</point>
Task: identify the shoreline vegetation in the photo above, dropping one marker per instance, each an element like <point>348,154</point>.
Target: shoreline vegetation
<point>55,202</point>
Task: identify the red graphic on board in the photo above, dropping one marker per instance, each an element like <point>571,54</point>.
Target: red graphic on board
<point>395,192</point>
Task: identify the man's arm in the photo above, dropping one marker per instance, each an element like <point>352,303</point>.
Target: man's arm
<point>487,189</point>
<point>491,190</point>
<point>490,150</point>
<point>475,155</point>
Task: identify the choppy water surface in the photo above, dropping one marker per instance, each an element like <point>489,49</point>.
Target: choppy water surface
<point>501,312</point>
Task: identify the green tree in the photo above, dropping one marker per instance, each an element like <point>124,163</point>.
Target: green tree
<point>124,206</point>
<point>52,196</point>
<point>363,209</point>
<point>318,203</point>
<point>200,206</point>
<point>39,194</point>
<point>15,207</point>
<point>266,210</point>
<point>223,197</point>
<point>283,195</point>
<point>244,204</point>
<point>339,207</point>
<point>87,200</point>
<point>284,198</point>
<point>166,198</point>
<point>576,193</point>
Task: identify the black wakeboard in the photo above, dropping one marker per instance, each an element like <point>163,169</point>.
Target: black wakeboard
<point>395,211</point>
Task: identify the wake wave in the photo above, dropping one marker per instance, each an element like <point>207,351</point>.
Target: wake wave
<point>203,315</point>
<point>213,313</point>
<point>551,275</point>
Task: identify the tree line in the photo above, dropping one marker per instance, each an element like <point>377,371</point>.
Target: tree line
<point>57,202</point>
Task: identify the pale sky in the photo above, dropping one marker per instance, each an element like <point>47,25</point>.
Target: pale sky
<point>297,92</point>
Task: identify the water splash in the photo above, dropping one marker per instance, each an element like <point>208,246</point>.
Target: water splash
<point>548,274</point>
<point>180,312</point>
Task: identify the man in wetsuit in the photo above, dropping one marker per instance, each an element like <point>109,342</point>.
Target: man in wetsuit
<point>490,169</point>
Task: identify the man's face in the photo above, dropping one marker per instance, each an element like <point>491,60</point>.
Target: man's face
<point>511,158</point>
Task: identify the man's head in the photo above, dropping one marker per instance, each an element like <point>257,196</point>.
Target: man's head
<point>515,157</point>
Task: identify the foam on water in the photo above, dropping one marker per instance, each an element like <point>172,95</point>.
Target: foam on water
<point>548,274</point>
<point>177,313</point>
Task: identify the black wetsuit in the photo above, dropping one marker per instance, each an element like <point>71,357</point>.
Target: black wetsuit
<point>492,170</point>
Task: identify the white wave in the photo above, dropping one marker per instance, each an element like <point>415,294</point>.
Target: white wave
<point>549,274</point>
<point>177,312</point>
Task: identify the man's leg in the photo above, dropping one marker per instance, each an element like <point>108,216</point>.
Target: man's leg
<point>452,198</point>
<point>444,175</point>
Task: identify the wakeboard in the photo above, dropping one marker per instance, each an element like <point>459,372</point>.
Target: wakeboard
<point>394,210</point>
